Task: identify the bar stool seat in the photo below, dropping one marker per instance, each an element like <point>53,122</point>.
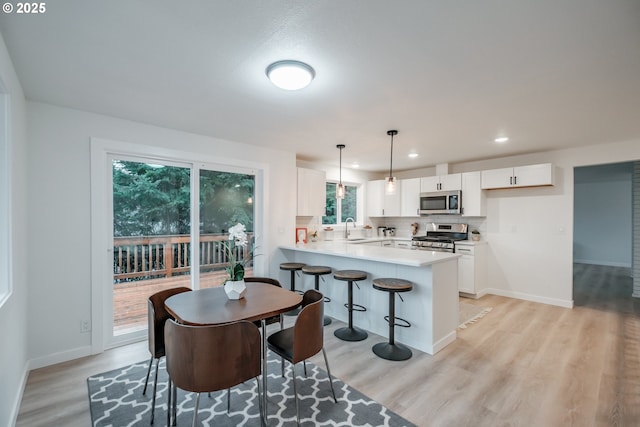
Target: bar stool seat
<point>292,267</point>
<point>390,350</point>
<point>317,271</point>
<point>351,333</point>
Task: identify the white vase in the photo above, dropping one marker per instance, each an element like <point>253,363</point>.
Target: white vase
<point>235,289</point>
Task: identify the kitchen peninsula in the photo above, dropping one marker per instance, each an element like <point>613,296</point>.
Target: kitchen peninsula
<point>431,307</point>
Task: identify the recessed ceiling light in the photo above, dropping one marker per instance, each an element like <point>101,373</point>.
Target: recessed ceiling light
<point>290,75</point>
<point>355,165</point>
<point>413,155</point>
<point>501,140</point>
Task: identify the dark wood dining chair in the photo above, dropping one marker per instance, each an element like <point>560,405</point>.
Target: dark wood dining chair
<point>304,339</point>
<point>273,319</point>
<point>211,358</point>
<point>157,315</point>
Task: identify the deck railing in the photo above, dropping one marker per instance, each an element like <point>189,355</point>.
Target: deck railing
<point>147,257</point>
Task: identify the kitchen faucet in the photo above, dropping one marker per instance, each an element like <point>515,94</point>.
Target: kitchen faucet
<point>346,223</point>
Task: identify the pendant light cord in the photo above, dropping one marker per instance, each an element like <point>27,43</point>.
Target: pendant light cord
<point>391,159</point>
<point>340,165</point>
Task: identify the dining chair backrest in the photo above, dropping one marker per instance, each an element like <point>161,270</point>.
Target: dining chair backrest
<point>211,358</point>
<point>157,315</point>
<point>308,331</point>
<point>268,280</point>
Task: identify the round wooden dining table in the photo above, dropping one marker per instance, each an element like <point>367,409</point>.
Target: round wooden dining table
<point>211,306</point>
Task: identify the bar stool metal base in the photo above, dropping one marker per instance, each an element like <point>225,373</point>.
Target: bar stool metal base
<point>350,334</point>
<point>326,321</point>
<point>395,352</point>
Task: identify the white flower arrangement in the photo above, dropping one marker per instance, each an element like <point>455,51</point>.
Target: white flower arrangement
<point>237,238</point>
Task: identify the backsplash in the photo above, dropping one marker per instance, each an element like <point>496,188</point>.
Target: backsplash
<point>402,225</point>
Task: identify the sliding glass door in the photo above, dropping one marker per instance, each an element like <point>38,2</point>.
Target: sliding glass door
<point>226,199</point>
<point>155,219</point>
<point>151,236</point>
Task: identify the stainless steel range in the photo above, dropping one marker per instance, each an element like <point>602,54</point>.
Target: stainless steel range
<point>440,237</point>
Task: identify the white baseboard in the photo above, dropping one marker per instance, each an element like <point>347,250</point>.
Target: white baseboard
<point>442,343</point>
<point>529,297</point>
<point>63,356</point>
<point>477,295</point>
<point>19,394</point>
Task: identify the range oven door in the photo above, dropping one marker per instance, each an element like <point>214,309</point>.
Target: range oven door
<point>421,248</point>
<point>441,202</point>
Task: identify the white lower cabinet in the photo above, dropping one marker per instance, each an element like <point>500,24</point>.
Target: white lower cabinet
<point>402,244</point>
<point>472,268</point>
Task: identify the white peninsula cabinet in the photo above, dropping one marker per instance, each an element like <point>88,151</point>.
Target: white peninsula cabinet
<point>312,192</point>
<point>472,268</point>
<point>381,204</point>
<point>521,176</point>
<point>451,182</point>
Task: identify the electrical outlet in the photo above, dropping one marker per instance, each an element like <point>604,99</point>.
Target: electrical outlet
<point>85,326</point>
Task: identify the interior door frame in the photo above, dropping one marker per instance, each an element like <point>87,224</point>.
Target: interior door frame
<point>102,153</point>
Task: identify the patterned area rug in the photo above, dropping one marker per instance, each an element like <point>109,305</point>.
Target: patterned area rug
<point>116,400</point>
<point>469,314</point>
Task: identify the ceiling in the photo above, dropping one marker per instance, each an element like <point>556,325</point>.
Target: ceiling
<point>449,75</point>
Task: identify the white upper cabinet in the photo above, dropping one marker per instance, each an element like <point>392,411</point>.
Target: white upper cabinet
<point>410,197</point>
<point>381,204</point>
<point>312,192</point>
<point>521,176</point>
<point>449,182</point>
<point>474,199</point>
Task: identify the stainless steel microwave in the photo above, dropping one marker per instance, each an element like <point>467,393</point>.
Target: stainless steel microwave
<point>441,202</point>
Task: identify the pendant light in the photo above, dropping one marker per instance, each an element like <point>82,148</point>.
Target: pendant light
<point>339,186</point>
<point>390,185</point>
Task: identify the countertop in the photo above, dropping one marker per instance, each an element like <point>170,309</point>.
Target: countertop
<point>399,256</point>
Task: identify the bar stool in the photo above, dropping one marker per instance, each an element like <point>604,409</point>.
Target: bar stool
<point>317,271</point>
<point>390,350</point>
<point>350,333</point>
<point>292,267</point>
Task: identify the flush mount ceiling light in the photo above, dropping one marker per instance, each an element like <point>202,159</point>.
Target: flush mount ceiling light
<point>339,186</point>
<point>501,139</point>
<point>413,155</point>
<point>290,75</point>
<point>390,186</point>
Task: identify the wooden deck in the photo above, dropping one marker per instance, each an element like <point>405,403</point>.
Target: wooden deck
<point>130,298</point>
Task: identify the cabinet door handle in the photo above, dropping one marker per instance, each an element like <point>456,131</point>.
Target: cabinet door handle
<point>510,180</point>
<point>515,180</point>
<point>464,250</point>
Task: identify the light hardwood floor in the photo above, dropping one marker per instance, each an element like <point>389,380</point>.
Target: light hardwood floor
<point>523,364</point>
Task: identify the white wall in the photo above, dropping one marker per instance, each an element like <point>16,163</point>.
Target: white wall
<point>603,213</point>
<point>59,213</point>
<point>530,230</point>
<point>13,313</point>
